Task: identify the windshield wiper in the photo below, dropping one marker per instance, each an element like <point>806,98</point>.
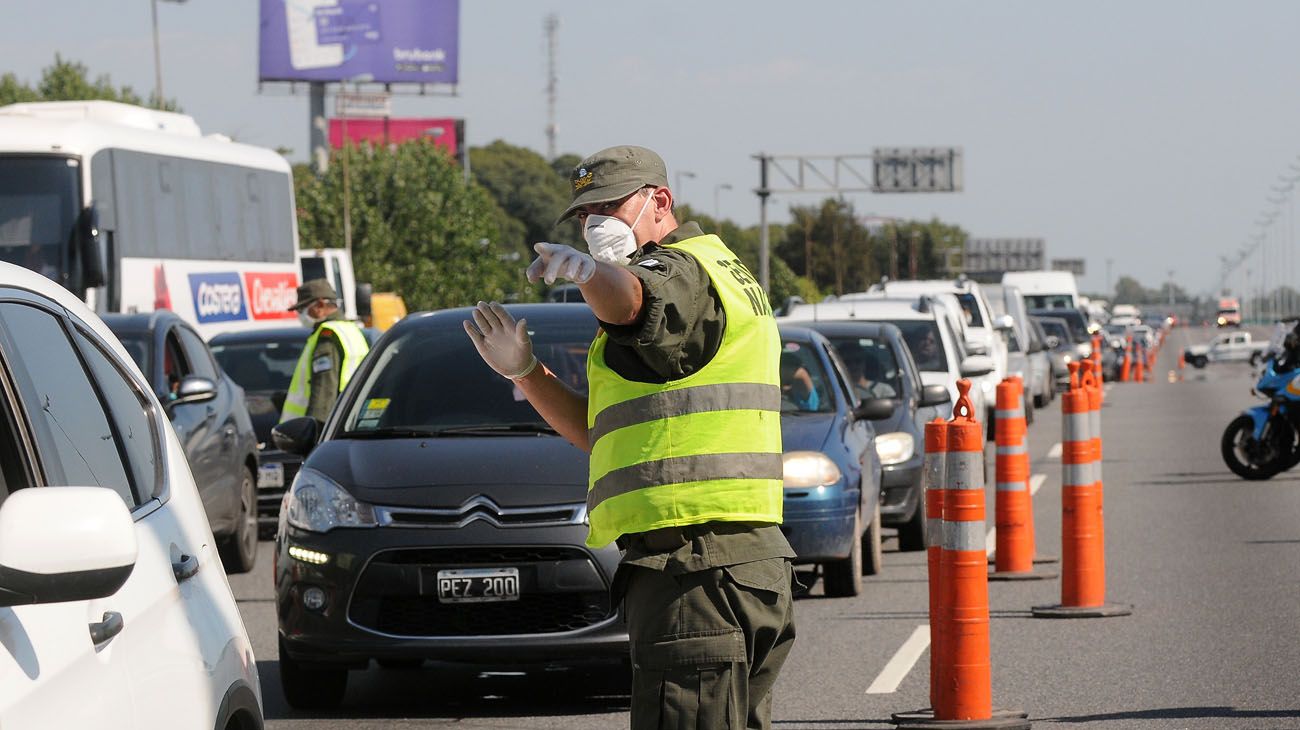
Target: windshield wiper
<point>391,433</point>
<point>500,428</point>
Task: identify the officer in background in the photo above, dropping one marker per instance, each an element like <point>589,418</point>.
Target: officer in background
<point>333,351</point>
<point>682,421</point>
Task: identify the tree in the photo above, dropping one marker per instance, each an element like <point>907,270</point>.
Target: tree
<point>70,81</point>
<point>417,228</point>
<point>528,189</point>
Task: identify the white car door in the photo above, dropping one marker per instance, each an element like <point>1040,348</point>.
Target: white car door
<point>94,427</point>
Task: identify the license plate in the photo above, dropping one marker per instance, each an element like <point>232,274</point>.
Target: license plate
<point>270,476</point>
<point>478,585</point>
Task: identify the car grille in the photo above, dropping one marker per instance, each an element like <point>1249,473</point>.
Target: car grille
<point>394,607</point>
<point>481,508</point>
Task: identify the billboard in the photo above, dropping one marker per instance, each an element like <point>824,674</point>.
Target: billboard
<point>383,41</point>
<point>916,170</point>
<point>1003,254</point>
<point>445,133</point>
<point>1074,266</point>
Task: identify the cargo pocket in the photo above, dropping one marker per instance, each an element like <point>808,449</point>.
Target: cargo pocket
<point>690,681</point>
<point>772,576</point>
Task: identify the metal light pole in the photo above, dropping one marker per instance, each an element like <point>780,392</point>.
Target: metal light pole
<point>716,188</point>
<point>677,183</point>
<point>157,54</point>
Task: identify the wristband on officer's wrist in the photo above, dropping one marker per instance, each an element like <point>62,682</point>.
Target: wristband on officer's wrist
<point>532,365</point>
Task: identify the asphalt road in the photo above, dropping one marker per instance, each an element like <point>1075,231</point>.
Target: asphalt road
<point>1208,561</point>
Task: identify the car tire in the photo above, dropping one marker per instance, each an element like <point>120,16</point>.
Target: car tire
<point>1029,410</point>
<point>311,687</point>
<point>239,548</point>
<point>843,578</point>
<point>911,534</point>
<point>873,556</point>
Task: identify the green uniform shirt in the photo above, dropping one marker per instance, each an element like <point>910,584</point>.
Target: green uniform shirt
<point>326,364</point>
<point>678,333</point>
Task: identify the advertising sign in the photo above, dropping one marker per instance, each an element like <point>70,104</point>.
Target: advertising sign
<point>270,295</point>
<point>218,297</point>
<point>442,132</point>
<point>384,41</point>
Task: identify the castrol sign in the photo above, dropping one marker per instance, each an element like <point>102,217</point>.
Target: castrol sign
<point>271,295</point>
<point>218,297</point>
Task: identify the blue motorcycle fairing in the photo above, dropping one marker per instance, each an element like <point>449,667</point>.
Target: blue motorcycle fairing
<point>1259,414</point>
<point>1275,382</point>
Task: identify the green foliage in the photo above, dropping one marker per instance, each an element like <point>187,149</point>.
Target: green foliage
<point>528,189</point>
<point>417,228</point>
<point>70,81</point>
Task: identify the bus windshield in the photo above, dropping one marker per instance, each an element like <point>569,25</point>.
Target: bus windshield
<point>38,212</point>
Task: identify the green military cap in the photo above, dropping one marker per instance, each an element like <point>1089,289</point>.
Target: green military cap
<point>312,290</point>
<point>612,174</point>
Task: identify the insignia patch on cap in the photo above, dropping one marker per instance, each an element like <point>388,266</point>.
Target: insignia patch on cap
<point>582,180</point>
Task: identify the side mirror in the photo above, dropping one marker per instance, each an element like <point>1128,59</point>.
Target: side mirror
<point>88,253</point>
<point>976,365</point>
<point>85,547</point>
<point>193,389</point>
<point>935,395</point>
<point>1004,323</point>
<point>365,293</point>
<point>976,348</point>
<point>296,435</point>
<point>875,409</point>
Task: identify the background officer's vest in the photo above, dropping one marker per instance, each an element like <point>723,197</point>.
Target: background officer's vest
<point>701,449</point>
<point>355,347</point>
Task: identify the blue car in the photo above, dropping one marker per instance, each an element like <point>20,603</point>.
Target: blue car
<point>832,471</point>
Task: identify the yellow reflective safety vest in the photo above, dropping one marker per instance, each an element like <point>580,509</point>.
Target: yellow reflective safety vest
<point>355,347</point>
<point>703,448</point>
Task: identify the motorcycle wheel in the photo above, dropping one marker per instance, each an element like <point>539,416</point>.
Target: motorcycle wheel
<point>1251,459</point>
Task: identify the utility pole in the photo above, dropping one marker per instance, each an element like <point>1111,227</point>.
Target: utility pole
<point>552,26</point>
<point>157,55</point>
<point>1110,287</point>
<point>1171,288</point>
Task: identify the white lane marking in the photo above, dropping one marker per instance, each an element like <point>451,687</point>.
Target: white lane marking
<point>991,541</point>
<point>902,662</point>
<point>1054,452</point>
<point>1036,483</point>
<point>1108,387</point>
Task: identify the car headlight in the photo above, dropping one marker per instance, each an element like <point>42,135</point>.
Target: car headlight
<point>808,469</point>
<point>1067,358</point>
<point>895,448</point>
<point>316,503</point>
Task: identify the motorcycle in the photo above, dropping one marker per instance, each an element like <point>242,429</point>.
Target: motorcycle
<point>1265,440</point>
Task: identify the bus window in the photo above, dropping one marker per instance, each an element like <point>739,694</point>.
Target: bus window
<point>38,212</point>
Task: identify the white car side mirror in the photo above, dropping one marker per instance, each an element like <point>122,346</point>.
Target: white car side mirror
<point>64,544</point>
<point>976,365</point>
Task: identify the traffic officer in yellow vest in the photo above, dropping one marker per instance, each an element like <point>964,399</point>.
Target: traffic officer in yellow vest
<point>683,427</point>
<point>333,351</point>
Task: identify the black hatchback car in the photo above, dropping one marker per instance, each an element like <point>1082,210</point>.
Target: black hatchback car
<point>879,365</point>
<point>437,516</point>
<point>207,411</point>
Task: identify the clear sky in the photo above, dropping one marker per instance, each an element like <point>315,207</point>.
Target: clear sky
<point>1144,132</point>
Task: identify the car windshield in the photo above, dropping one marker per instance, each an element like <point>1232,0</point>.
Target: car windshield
<point>260,366</point>
<point>970,305</point>
<point>1116,329</point>
<point>804,385</point>
<point>1073,318</point>
<point>38,211</point>
<point>1049,301</point>
<point>137,346</point>
<point>922,338</point>
<point>872,368</point>
<point>425,382</point>
<point>1057,330</point>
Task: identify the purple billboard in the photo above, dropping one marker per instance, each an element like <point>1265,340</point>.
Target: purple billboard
<point>384,41</point>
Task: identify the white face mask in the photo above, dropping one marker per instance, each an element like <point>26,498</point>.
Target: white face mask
<point>306,319</point>
<point>610,239</point>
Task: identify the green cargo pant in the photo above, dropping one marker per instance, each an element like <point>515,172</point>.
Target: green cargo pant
<point>707,646</point>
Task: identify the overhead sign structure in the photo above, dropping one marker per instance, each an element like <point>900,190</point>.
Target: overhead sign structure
<point>1003,254</point>
<point>916,170</point>
<point>382,41</point>
<point>1074,266</point>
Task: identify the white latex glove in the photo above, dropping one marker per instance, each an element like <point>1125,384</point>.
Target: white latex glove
<point>557,261</point>
<point>501,342</point>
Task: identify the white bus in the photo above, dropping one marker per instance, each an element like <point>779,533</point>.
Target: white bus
<point>135,210</point>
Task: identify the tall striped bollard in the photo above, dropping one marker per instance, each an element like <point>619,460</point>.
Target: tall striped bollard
<point>1013,506</point>
<point>1083,577</point>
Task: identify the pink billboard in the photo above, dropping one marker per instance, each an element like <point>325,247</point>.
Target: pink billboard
<point>442,132</point>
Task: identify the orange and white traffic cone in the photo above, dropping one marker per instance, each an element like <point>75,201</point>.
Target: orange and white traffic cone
<point>964,695</point>
<point>1083,561</point>
<point>1014,509</point>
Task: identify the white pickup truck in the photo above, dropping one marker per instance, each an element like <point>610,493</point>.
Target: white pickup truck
<point>1232,346</point>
